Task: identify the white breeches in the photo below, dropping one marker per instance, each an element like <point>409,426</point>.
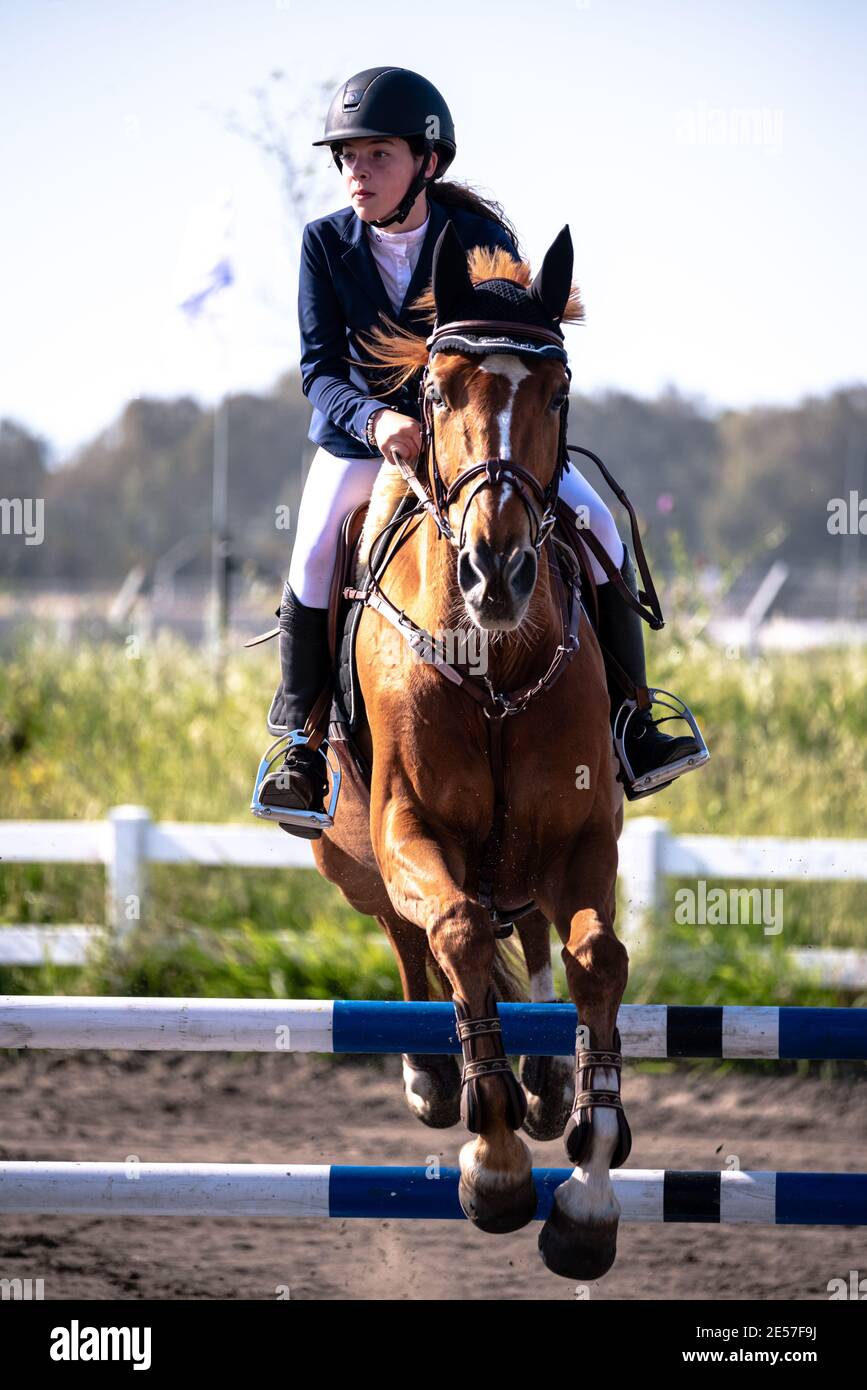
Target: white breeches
<point>577,492</point>
<point>334,486</point>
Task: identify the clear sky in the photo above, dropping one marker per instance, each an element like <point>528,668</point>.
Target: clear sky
<point>708,158</point>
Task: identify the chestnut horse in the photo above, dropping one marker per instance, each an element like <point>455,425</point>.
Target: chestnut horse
<point>465,771</point>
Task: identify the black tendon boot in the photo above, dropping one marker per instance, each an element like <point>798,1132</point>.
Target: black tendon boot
<point>305,661</point>
<point>647,748</point>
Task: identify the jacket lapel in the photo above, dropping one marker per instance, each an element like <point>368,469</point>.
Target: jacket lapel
<point>359,260</point>
<point>424,266</point>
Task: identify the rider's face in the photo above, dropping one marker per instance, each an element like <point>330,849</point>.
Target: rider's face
<point>380,168</point>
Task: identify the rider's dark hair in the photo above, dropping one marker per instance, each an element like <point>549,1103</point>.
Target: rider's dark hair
<point>461,195</point>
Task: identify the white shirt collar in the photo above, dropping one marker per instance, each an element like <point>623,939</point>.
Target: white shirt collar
<point>402,238</point>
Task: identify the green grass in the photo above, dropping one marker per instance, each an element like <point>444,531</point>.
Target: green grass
<point>86,728</point>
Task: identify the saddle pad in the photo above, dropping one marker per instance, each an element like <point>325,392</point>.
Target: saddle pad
<point>348,703</point>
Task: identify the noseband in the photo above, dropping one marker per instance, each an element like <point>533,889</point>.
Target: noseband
<point>437,498</point>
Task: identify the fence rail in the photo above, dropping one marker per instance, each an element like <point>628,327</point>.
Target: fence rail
<point>129,840</point>
<point>285,1190</point>
<point>149,1024</point>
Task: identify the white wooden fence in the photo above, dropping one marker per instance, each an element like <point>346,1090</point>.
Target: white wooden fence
<point>129,840</point>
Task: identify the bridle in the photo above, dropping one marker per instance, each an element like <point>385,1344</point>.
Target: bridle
<point>436,497</point>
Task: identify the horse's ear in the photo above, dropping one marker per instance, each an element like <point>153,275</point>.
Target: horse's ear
<point>450,278</point>
<point>553,284</point>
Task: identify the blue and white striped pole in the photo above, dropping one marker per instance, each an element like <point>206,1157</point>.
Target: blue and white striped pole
<point>275,1190</point>
<point>353,1026</point>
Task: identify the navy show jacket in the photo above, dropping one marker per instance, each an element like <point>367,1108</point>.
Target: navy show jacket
<point>340,294</point>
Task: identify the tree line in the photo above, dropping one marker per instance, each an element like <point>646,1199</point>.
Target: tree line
<point>738,485</point>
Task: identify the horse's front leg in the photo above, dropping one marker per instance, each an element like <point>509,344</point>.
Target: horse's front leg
<point>548,1082</point>
<point>579,1238</point>
<point>423,872</point>
<point>431,1081</point>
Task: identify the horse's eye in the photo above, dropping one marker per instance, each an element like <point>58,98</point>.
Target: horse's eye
<point>436,399</point>
<point>559,401</point>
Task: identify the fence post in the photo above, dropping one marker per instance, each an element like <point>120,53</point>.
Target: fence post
<point>642,867</point>
<point>126,868</point>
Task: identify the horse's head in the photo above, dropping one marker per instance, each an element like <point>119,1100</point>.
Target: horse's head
<point>494,394</point>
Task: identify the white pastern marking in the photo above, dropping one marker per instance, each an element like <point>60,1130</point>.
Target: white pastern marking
<point>588,1197</point>
<point>542,986</point>
<point>419,1088</point>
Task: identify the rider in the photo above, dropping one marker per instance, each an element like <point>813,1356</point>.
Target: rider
<point>392,137</point>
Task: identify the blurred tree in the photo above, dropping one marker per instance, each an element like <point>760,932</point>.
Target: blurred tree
<point>23,475</point>
<point>23,461</point>
<point>283,130</point>
<point>730,489</point>
<point>780,468</point>
<point>665,452</point>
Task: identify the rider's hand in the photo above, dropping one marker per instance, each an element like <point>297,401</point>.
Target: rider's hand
<point>397,434</point>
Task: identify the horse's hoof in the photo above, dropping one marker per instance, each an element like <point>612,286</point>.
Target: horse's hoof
<point>432,1089</point>
<point>577,1249</point>
<point>499,1212</point>
<point>549,1085</point>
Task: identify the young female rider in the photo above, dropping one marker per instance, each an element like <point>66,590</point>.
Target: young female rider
<point>392,137</point>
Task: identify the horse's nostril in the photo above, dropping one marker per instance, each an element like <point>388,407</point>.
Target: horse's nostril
<point>468,575</point>
<point>522,573</point>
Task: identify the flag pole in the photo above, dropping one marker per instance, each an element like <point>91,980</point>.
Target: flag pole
<point>213,273</point>
<point>220,542</point>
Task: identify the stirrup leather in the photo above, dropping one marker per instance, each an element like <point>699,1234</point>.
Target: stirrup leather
<point>321,820</point>
<point>661,776</point>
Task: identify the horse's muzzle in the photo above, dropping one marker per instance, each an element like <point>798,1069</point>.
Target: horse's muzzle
<point>497,587</point>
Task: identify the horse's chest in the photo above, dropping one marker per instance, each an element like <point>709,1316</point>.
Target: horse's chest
<point>548,781</point>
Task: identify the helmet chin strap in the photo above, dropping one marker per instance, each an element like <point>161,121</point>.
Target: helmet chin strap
<point>402,211</point>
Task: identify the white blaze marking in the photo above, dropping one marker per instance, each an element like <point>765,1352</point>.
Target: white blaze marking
<point>504,364</point>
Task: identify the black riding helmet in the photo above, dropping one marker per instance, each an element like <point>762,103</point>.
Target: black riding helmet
<point>396,102</point>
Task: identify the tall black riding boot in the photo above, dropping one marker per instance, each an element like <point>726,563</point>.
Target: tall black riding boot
<point>305,662</point>
<point>621,632</point>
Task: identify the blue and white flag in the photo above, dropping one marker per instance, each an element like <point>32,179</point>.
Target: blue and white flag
<point>219,277</point>
<point>204,265</point>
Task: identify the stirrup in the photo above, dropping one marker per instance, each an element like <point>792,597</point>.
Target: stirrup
<point>318,820</point>
<point>661,776</point>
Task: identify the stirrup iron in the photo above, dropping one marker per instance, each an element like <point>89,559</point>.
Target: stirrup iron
<point>319,820</point>
<point>661,776</point>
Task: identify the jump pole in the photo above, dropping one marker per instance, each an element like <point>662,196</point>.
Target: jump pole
<point>273,1190</point>
<point>355,1026</point>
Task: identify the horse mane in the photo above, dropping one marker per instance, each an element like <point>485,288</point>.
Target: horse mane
<point>405,353</point>
<point>388,488</point>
